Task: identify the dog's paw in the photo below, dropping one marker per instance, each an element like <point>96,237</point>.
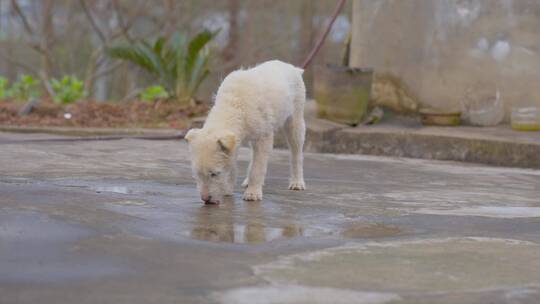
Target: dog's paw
<point>253,195</point>
<point>297,185</point>
<point>245,183</point>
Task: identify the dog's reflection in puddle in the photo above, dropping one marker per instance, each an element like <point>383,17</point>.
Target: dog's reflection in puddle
<point>227,222</point>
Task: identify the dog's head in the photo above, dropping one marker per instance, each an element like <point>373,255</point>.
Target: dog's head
<point>212,161</point>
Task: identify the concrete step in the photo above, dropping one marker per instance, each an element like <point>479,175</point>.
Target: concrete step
<point>499,145</point>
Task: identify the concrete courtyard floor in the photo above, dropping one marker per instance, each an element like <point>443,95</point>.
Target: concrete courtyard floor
<point>120,222</point>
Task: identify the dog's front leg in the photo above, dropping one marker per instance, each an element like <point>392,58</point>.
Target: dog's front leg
<point>261,152</point>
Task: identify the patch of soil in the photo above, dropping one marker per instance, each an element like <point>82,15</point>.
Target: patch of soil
<point>135,114</point>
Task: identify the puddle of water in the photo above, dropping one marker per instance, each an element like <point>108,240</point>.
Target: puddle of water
<point>230,223</point>
<point>180,216</point>
<point>372,230</point>
<point>238,233</point>
<point>295,294</point>
<point>487,211</point>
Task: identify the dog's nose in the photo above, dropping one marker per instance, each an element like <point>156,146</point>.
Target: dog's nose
<point>206,198</point>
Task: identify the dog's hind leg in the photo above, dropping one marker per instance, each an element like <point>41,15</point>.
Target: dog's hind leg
<point>259,163</point>
<point>295,132</point>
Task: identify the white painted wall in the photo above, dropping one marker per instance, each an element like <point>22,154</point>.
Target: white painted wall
<point>441,48</point>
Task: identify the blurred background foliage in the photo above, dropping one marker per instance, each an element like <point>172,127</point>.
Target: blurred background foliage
<point>50,39</point>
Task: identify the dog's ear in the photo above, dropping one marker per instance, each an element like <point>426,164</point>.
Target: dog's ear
<point>227,143</point>
<point>191,134</point>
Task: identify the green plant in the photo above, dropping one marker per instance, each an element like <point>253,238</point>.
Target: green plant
<point>180,64</point>
<point>25,88</point>
<point>67,90</point>
<point>3,88</point>
<point>154,92</point>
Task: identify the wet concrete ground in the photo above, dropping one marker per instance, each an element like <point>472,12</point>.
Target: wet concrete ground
<point>121,222</point>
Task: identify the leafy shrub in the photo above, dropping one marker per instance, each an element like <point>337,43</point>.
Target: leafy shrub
<point>180,64</point>
<point>67,90</point>
<point>25,88</point>
<point>154,92</point>
<point>3,88</point>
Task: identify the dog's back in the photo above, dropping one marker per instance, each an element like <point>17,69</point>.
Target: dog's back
<point>267,95</point>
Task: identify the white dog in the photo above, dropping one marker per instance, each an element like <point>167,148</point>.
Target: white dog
<point>250,106</point>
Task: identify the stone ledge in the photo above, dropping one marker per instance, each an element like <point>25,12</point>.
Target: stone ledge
<point>422,144</point>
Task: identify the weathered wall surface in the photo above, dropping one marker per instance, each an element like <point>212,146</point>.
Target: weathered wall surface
<point>441,48</point>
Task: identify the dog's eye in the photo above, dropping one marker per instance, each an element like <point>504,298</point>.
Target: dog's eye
<point>214,174</point>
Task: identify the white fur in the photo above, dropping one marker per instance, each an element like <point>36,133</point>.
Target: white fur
<point>250,106</point>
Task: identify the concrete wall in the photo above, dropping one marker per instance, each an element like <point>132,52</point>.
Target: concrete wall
<point>441,48</point>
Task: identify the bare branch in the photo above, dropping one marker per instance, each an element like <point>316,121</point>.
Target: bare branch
<point>126,25</point>
<point>320,42</point>
<point>136,13</point>
<point>47,33</point>
<point>124,30</point>
<point>45,81</point>
<point>92,22</point>
<point>107,71</point>
<point>44,78</point>
<point>21,15</point>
